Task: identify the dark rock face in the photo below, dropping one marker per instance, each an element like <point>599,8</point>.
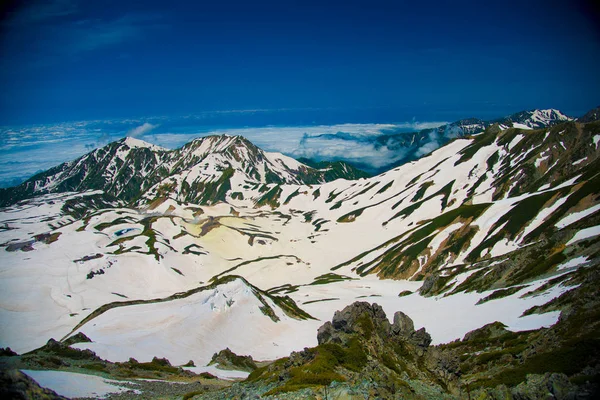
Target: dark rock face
<point>16,385</point>
<point>365,319</point>
<point>7,352</point>
<point>590,116</point>
<point>78,338</point>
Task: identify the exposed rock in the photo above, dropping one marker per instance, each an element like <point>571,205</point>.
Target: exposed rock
<point>227,359</point>
<point>54,347</point>
<point>78,338</point>
<point>7,352</point>
<point>489,331</point>
<point>421,338</point>
<point>360,318</point>
<point>590,116</point>
<point>16,385</point>
<point>547,386</point>
<point>403,325</point>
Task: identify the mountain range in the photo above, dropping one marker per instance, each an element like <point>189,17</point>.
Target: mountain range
<point>490,243</point>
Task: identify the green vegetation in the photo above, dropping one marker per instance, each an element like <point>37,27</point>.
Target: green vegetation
<point>351,216</point>
<point>568,359</point>
<point>270,198</point>
<point>118,221</point>
<point>498,294</point>
<point>201,192</point>
<point>513,222</point>
<point>97,367</point>
<point>291,196</point>
<point>226,359</point>
<point>403,250</point>
<point>316,193</point>
<point>321,370</point>
<point>421,192</point>
<point>445,192</point>
<point>321,300</point>
<point>193,249</point>
<point>492,160</point>
<point>386,187</point>
<point>156,365</point>
<point>481,141</point>
<point>329,278</point>
<point>237,196</point>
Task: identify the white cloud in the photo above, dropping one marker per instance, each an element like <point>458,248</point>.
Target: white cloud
<point>141,130</point>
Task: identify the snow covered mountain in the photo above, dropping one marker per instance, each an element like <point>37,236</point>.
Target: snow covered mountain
<point>203,171</point>
<point>498,226</point>
<point>413,145</point>
<point>535,119</point>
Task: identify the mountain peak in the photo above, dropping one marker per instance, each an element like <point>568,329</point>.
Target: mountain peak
<point>135,143</point>
<point>534,119</point>
<point>590,116</point>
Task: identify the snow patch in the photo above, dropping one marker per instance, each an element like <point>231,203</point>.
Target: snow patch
<point>574,262</point>
<point>576,216</point>
<point>584,234</point>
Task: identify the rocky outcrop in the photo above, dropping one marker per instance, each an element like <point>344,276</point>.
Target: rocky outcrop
<point>489,331</point>
<point>80,337</point>
<point>591,116</point>
<point>541,387</point>
<point>361,345</point>
<point>366,319</point>
<point>227,359</point>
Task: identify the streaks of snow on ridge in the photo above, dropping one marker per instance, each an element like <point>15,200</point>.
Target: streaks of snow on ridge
<point>576,216</point>
<point>585,234</point>
<point>541,217</point>
<point>574,262</point>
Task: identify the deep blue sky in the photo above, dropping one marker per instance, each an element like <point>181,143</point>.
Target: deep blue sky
<point>73,60</point>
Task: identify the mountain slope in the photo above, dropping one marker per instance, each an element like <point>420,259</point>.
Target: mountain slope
<point>473,202</point>
<point>535,119</point>
<point>122,169</point>
<point>500,226</point>
<point>216,168</point>
<point>199,172</point>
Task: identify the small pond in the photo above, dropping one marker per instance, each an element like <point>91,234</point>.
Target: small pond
<point>122,232</point>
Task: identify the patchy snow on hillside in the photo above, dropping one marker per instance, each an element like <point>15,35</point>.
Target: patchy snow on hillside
<point>576,216</point>
<point>585,234</point>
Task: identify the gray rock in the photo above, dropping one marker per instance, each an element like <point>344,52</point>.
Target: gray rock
<point>421,338</point>
<point>489,331</point>
<point>548,386</point>
<point>402,325</point>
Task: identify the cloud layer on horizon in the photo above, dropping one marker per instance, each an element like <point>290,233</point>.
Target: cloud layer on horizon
<point>27,150</point>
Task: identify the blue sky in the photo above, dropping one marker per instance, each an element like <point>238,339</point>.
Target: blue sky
<point>67,60</point>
